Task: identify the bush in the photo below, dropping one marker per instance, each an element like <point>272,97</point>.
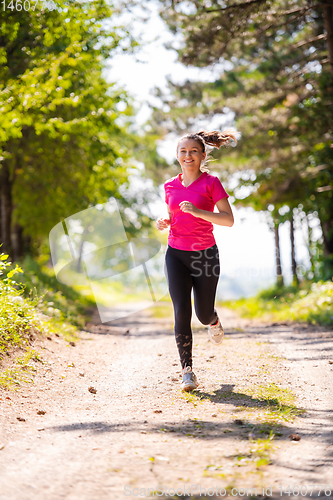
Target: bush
<point>18,316</point>
<point>53,298</point>
<point>312,304</point>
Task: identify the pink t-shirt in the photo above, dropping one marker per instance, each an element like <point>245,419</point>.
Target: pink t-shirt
<point>186,231</point>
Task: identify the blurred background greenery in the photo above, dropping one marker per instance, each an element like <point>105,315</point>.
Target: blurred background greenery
<point>69,139</point>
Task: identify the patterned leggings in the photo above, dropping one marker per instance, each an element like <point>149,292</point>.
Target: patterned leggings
<point>187,269</point>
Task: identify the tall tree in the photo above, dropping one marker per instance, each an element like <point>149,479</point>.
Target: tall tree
<point>65,140</point>
<point>275,60</point>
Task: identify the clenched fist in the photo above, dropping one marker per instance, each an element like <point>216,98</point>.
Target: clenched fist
<point>162,223</point>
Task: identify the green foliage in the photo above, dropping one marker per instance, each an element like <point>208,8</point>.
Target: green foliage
<point>25,311</point>
<point>275,77</point>
<point>51,297</point>
<point>66,138</point>
<point>276,292</point>
<point>18,317</point>
<point>312,304</point>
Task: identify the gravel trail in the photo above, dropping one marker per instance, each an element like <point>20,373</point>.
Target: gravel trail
<point>134,432</point>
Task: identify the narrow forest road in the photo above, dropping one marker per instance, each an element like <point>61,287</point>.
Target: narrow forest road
<point>139,434</point>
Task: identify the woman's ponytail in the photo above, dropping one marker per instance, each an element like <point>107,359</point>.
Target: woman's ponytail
<point>217,139</point>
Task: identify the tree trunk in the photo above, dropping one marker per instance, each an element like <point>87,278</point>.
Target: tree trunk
<point>328,20</point>
<point>326,222</point>
<point>79,261</point>
<point>309,245</point>
<point>327,227</point>
<point>17,241</point>
<point>325,215</point>
<point>279,276</point>
<point>292,243</point>
<point>27,244</point>
<point>6,208</point>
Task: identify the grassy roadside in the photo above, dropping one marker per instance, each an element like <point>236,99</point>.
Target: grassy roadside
<point>33,303</point>
<point>312,303</point>
<point>258,410</point>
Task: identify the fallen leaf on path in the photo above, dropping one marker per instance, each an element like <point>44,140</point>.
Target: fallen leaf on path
<point>92,390</point>
<point>239,422</point>
<point>331,362</point>
<point>2,446</point>
<point>21,419</point>
<point>72,344</point>
<point>81,374</point>
<point>214,415</point>
<point>157,411</point>
<point>295,437</point>
<point>41,412</point>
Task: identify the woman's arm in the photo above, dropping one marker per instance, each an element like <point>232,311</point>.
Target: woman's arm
<point>223,218</point>
<point>162,223</point>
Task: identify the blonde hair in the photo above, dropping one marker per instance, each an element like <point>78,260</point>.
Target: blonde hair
<point>214,139</point>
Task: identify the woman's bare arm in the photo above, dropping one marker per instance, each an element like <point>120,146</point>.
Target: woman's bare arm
<point>223,218</point>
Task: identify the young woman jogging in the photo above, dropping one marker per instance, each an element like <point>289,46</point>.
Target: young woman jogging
<point>192,257</point>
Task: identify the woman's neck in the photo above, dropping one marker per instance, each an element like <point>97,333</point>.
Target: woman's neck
<point>188,177</point>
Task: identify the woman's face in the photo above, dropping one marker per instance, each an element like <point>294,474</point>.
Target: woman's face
<point>190,154</point>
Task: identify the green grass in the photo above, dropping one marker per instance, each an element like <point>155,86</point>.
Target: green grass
<point>22,372</point>
<point>255,456</point>
<point>35,305</point>
<point>313,303</point>
<point>192,397</point>
<point>279,402</point>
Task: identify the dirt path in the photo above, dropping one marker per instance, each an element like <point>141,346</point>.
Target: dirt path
<point>140,431</point>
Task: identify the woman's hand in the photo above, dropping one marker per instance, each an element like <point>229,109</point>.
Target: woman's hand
<point>162,223</point>
<point>188,207</point>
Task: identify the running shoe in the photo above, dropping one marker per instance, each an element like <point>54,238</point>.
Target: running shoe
<point>216,333</point>
<point>189,381</point>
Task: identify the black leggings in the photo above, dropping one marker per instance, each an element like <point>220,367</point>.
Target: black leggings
<point>185,269</point>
